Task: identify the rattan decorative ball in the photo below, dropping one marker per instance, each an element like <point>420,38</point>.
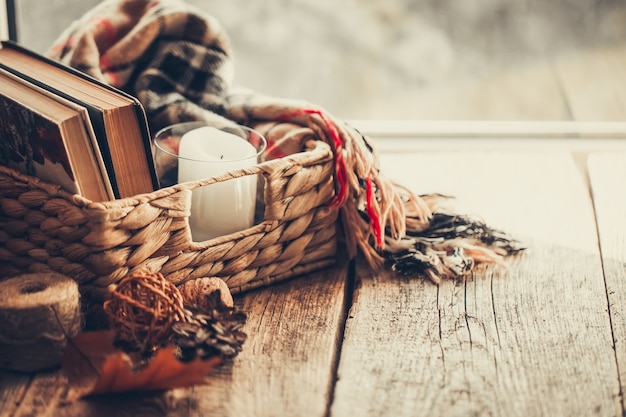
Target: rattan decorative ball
<point>142,309</point>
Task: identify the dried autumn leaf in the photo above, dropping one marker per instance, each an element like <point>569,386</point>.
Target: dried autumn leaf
<point>83,358</point>
<point>164,371</point>
<point>93,365</point>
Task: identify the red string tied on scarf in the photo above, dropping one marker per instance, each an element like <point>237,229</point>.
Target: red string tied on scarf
<point>341,174</point>
<point>374,219</point>
<point>340,165</point>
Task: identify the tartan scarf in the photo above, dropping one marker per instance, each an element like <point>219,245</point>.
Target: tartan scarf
<point>178,61</point>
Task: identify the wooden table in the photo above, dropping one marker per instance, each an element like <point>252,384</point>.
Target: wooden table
<point>543,337</point>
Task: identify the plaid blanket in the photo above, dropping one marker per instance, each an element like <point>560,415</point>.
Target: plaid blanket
<point>177,60</point>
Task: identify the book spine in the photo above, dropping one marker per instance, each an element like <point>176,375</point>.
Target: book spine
<point>146,136</point>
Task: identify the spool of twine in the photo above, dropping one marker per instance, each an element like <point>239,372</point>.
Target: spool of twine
<point>38,312</point>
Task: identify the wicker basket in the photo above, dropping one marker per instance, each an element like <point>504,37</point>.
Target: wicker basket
<point>43,228</point>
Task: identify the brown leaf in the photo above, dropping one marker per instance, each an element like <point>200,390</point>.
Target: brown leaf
<point>93,365</point>
<point>82,360</point>
<point>164,371</point>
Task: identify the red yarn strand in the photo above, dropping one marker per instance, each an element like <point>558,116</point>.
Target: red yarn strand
<point>340,165</point>
<point>371,213</point>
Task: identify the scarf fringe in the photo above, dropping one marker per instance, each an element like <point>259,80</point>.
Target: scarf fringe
<point>384,220</point>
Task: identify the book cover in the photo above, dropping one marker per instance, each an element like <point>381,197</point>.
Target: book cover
<point>118,119</point>
<point>46,137</point>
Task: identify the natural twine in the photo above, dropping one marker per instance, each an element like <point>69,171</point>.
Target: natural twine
<point>38,312</point>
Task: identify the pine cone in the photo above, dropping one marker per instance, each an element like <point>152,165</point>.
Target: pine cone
<point>211,332</point>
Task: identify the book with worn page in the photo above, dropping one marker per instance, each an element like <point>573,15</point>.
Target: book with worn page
<point>50,138</point>
<point>118,119</point>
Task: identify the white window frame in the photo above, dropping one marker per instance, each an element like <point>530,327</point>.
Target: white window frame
<point>4,20</point>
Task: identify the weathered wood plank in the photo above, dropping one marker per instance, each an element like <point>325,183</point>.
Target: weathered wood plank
<point>286,368</point>
<point>607,173</point>
<point>534,339</point>
<point>43,396</point>
<point>13,385</point>
<point>288,365</point>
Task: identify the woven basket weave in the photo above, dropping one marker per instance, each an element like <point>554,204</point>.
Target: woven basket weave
<point>43,228</point>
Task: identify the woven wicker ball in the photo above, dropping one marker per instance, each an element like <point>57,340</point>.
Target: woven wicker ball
<point>142,310</point>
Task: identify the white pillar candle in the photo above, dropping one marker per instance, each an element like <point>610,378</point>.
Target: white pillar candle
<point>224,207</point>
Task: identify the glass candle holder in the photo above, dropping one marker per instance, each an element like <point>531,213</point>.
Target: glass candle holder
<point>194,151</point>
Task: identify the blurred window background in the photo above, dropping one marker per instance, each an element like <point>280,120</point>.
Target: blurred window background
<point>407,59</point>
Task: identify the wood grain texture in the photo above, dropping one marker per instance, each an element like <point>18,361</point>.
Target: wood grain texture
<point>533,339</point>
<point>607,174</point>
<point>13,386</point>
<point>286,368</point>
<point>288,364</point>
<point>41,397</point>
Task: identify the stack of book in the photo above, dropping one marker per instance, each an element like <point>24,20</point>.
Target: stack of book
<point>67,128</point>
